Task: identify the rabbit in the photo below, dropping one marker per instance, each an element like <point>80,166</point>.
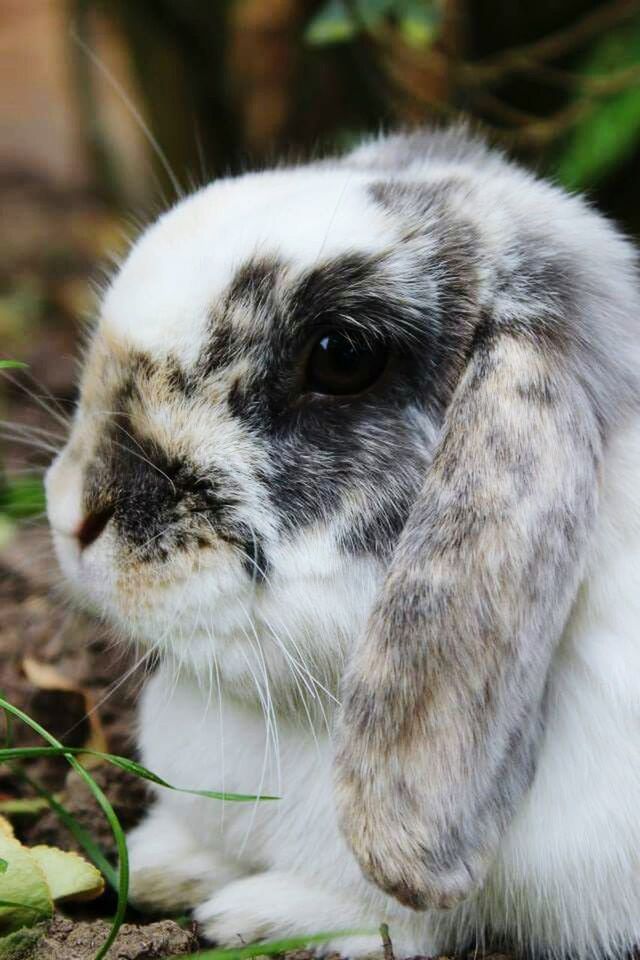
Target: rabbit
<point>356,462</point>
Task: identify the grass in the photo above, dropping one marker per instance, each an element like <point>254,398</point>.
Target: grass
<point>117,878</point>
<point>109,812</point>
<point>271,948</point>
<point>26,753</point>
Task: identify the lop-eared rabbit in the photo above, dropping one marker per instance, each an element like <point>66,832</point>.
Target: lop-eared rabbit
<point>357,461</point>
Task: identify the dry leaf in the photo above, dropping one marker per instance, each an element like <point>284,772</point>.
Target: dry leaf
<point>23,886</point>
<point>45,677</point>
<point>70,876</point>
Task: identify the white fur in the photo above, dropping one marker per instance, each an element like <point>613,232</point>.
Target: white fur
<point>567,877</point>
<point>227,223</point>
<point>567,873</point>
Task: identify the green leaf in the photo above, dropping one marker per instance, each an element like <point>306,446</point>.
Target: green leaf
<point>332,24</point>
<point>608,133</point>
<point>340,20</point>
<point>12,365</point>
<point>3,865</point>
<point>419,22</point>
<point>18,905</point>
<point>69,876</point>
<point>8,726</point>
<point>24,893</point>
<point>131,766</point>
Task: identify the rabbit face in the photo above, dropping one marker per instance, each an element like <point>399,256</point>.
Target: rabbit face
<point>253,426</point>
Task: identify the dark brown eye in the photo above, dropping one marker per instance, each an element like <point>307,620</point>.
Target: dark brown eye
<point>344,363</point>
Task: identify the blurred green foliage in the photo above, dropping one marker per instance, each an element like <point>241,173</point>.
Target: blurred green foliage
<point>339,20</point>
<point>610,129</point>
<point>21,497</point>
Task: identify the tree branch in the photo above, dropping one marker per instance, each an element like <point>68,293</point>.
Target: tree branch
<point>522,59</point>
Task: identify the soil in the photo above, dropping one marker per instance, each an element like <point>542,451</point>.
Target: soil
<point>64,939</point>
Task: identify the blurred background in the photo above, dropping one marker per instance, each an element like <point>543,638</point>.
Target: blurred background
<point>110,108</point>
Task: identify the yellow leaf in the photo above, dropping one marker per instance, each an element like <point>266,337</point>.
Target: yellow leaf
<point>45,677</point>
<point>5,828</point>
<point>70,876</point>
<point>23,886</point>
<point>35,877</point>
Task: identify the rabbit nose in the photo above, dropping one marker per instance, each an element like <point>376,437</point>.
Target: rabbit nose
<point>93,525</point>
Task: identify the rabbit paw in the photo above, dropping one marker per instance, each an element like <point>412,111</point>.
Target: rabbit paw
<point>393,854</point>
<point>169,869</point>
<point>275,906</point>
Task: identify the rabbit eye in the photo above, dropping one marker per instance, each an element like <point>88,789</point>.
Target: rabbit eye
<point>342,363</point>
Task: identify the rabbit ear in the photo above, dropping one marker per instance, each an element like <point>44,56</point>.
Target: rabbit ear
<point>444,698</point>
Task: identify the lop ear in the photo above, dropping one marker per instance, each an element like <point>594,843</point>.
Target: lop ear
<point>443,700</point>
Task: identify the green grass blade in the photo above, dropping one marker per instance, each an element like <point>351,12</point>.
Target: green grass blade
<point>131,766</point>
<point>271,947</point>
<point>609,132</point>
<point>12,365</point>
<point>107,809</point>
<point>8,726</point>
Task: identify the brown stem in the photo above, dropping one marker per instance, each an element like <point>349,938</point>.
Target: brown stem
<point>520,59</point>
<point>387,946</point>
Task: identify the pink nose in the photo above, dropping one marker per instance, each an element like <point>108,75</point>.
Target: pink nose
<point>92,526</point>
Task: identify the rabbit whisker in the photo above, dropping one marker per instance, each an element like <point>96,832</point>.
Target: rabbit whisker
<point>41,402</point>
<point>132,110</point>
<point>299,662</point>
<point>296,673</point>
<point>114,687</point>
<point>265,673</point>
<point>268,735</point>
<point>32,442</point>
<point>30,429</point>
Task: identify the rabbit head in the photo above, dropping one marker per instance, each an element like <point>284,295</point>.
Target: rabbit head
<point>357,412</point>
<point>252,427</point>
